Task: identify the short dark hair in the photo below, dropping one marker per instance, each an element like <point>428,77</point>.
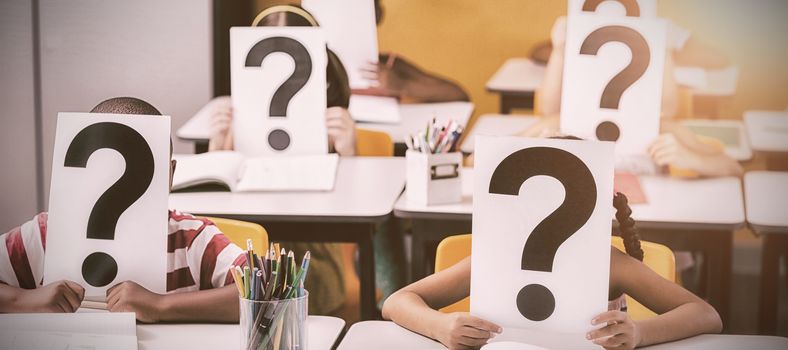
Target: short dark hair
<point>125,105</point>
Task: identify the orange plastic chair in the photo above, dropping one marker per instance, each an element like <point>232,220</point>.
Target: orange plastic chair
<point>239,231</point>
<point>656,256</point>
<point>452,250</point>
<point>371,143</point>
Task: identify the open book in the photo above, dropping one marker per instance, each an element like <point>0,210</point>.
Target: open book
<point>232,171</point>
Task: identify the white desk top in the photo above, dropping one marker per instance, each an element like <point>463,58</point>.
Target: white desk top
<point>496,125</point>
<point>768,130</point>
<point>672,203</point>
<point>366,190</point>
<point>517,75</point>
<point>708,82</point>
<point>766,195</point>
<point>384,335</point>
<point>414,117</point>
<point>323,332</point>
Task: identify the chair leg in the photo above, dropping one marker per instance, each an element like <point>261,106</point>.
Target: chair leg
<point>770,267</point>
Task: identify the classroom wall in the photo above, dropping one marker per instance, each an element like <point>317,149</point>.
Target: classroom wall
<point>468,40</point>
<point>17,134</point>
<point>91,50</point>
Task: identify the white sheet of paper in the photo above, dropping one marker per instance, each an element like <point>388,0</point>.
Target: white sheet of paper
<point>140,238</point>
<point>503,223</point>
<point>587,75</point>
<point>99,331</point>
<point>254,87</point>
<point>297,173</point>
<point>351,33</point>
<point>645,8</point>
<point>374,109</point>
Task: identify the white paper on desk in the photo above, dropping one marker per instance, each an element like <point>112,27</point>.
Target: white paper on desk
<point>297,173</point>
<point>503,223</point>
<point>99,331</point>
<point>693,77</point>
<point>351,32</point>
<point>634,112</point>
<point>374,109</point>
<point>129,221</point>
<point>257,114</point>
<point>632,8</point>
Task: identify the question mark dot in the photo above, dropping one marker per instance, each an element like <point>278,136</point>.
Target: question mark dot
<point>535,302</point>
<point>607,131</point>
<point>279,139</point>
<point>99,269</point>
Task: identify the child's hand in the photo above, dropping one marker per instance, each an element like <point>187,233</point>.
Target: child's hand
<point>390,76</point>
<point>545,127</point>
<point>620,333</point>
<point>460,330</point>
<point>131,297</point>
<point>341,131</point>
<point>558,33</point>
<point>667,150</point>
<point>220,112</point>
<point>60,296</point>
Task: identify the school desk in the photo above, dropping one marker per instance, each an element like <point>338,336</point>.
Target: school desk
<point>518,78</point>
<point>386,335</point>
<point>768,134</point>
<point>731,133</point>
<point>692,215</point>
<point>766,195</point>
<point>322,334</point>
<point>414,117</point>
<point>496,125</point>
<point>516,81</point>
<point>364,195</point>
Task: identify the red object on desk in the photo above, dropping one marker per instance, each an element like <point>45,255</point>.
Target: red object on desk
<point>629,184</point>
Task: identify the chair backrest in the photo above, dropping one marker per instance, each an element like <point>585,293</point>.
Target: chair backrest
<point>658,258</point>
<point>452,250</point>
<point>239,231</point>
<point>371,143</point>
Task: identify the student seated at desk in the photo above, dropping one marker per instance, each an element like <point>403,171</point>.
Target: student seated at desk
<point>676,147</point>
<point>341,127</point>
<point>326,277</point>
<point>201,291</point>
<point>401,78</point>
<point>681,314</point>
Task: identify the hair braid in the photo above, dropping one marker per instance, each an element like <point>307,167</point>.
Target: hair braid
<point>626,226</point>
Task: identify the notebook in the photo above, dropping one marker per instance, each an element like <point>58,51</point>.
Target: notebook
<point>374,109</point>
<point>232,171</point>
<point>96,331</point>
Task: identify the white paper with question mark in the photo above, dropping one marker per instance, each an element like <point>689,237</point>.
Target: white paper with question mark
<point>630,8</point>
<point>612,82</point>
<point>278,81</point>
<point>110,181</point>
<point>532,197</point>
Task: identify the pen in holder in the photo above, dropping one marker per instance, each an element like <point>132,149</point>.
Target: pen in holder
<point>433,178</point>
<point>274,324</point>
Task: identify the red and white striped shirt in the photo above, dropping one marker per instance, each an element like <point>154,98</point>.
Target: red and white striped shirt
<point>199,256</point>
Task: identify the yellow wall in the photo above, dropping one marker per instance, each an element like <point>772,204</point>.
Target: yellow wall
<point>467,40</point>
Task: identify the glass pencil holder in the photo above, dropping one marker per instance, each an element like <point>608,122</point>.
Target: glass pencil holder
<point>274,324</point>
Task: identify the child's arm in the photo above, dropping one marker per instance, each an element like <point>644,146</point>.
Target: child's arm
<point>60,296</point>
<point>668,150</point>
<point>550,91</point>
<point>681,314</point>
<point>414,307</point>
<point>211,305</point>
<point>220,112</point>
<point>400,78</point>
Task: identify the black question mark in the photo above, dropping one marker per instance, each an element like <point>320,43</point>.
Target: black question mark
<point>535,301</point>
<point>641,57</point>
<point>99,268</point>
<point>279,139</point>
<point>632,7</point>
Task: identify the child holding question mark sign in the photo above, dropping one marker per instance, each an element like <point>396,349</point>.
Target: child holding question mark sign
<point>207,254</point>
<point>676,145</point>
<point>680,313</point>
